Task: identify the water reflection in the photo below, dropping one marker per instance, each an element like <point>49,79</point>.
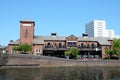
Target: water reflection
<point>90,73</point>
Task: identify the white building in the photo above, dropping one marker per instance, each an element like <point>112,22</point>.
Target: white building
<point>97,28</point>
<point>109,33</point>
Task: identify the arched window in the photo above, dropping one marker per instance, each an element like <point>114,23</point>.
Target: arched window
<point>48,44</point>
<point>60,45</point>
<point>92,45</point>
<point>82,45</point>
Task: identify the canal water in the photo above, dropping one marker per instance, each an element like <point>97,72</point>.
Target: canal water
<point>67,73</point>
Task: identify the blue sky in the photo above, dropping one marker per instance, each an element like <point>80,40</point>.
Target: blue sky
<point>65,17</point>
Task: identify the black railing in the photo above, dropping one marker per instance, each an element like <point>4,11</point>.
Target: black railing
<point>50,47</point>
<point>81,48</point>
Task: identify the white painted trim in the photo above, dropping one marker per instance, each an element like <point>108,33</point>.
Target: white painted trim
<point>71,41</point>
<point>27,24</point>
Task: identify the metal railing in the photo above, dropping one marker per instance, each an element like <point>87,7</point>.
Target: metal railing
<point>81,48</point>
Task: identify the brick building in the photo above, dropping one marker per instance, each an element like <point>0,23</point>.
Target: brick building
<point>54,45</point>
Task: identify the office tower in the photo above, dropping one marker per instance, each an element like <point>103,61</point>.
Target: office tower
<point>96,28</point>
<point>109,33</point>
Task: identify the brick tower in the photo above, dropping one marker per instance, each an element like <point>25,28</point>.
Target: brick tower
<point>27,31</point>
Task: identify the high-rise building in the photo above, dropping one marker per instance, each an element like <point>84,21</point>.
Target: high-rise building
<point>109,33</point>
<point>97,28</point>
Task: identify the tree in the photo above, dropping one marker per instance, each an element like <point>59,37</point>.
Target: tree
<point>109,52</point>
<point>72,53</point>
<point>24,48</point>
<point>116,46</point>
<point>67,54</point>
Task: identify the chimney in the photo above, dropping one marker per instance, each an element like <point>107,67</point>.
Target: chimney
<point>11,40</point>
<point>53,34</point>
<point>85,35</point>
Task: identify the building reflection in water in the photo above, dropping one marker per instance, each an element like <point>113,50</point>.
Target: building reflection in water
<point>88,73</point>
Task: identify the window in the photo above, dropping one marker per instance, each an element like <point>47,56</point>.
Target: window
<point>72,44</point>
<point>37,51</point>
<point>26,33</point>
<point>82,45</point>
<point>60,45</point>
<point>93,45</point>
<point>49,45</point>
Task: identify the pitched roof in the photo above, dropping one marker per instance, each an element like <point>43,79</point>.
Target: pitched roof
<point>41,39</point>
<point>38,40</point>
<point>100,40</point>
<point>14,42</point>
<point>2,47</point>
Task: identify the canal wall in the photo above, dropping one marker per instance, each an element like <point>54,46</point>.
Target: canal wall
<point>13,60</point>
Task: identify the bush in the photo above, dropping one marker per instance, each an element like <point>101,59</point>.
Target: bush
<point>111,58</point>
<point>72,53</point>
<point>24,48</point>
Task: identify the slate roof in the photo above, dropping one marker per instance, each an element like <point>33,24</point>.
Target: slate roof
<point>15,42</point>
<point>100,40</point>
<point>2,47</point>
<point>41,39</point>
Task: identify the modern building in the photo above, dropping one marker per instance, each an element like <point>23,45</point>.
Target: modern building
<point>54,45</point>
<point>109,33</point>
<point>97,28</point>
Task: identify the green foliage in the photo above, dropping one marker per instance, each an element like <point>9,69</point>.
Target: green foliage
<point>109,52</point>
<point>73,53</point>
<point>116,46</point>
<point>26,47</point>
<point>23,48</point>
<point>115,50</point>
<point>67,53</point>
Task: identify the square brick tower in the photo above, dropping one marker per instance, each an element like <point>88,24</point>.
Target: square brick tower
<point>27,31</point>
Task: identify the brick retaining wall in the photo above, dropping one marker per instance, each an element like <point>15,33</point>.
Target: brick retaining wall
<point>44,61</point>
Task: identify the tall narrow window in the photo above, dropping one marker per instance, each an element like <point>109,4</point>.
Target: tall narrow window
<point>92,45</point>
<point>60,45</point>
<point>26,33</point>
<point>49,45</point>
<point>82,45</point>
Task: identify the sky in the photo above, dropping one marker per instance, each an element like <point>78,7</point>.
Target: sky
<point>65,17</point>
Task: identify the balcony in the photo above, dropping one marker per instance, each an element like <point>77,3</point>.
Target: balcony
<point>55,48</point>
<point>89,48</point>
<point>49,48</point>
<point>61,48</point>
